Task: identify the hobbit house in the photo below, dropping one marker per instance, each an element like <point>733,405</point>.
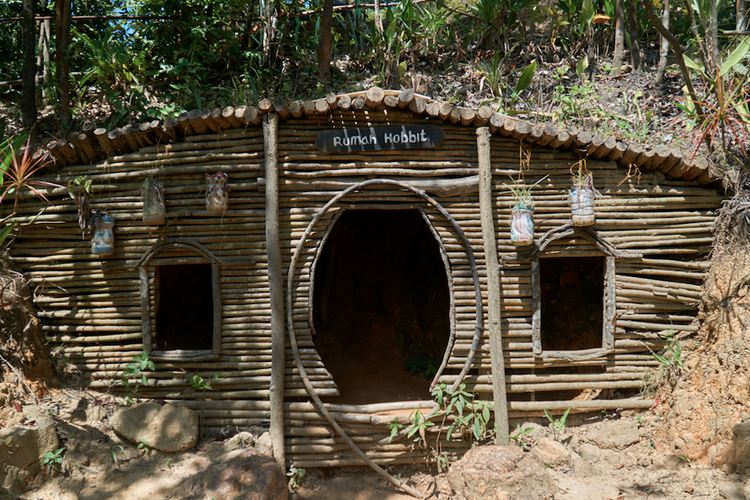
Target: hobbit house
<point>340,258</point>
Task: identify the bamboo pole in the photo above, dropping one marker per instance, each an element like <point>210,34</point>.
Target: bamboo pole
<point>493,285</point>
<point>276,286</point>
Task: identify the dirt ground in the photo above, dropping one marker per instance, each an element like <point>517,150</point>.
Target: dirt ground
<point>100,465</point>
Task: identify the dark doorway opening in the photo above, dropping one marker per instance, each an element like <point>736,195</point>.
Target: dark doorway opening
<point>184,307</point>
<point>572,303</point>
<point>381,306</point>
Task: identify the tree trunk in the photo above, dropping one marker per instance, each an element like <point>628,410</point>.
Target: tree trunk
<point>28,97</point>
<point>678,54</point>
<point>378,20</point>
<point>619,38</point>
<point>269,31</point>
<point>712,36</point>
<point>635,48</point>
<point>663,45</point>
<point>703,54</point>
<point>741,15</point>
<point>324,49</point>
<point>62,63</point>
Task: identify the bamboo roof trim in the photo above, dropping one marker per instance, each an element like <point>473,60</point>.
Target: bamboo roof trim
<point>92,145</point>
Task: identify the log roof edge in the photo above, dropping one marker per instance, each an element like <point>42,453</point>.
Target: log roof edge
<point>88,147</point>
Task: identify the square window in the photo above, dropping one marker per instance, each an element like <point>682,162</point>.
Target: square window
<point>184,308</point>
<point>573,306</point>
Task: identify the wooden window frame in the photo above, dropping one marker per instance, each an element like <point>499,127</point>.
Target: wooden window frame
<point>609,309</point>
<point>146,292</point>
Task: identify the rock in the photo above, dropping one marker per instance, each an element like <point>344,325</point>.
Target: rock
<point>732,490</point>
<point>263,444</point>
<point>667,461</point>
<point>615,434</point>
<point>738,455</point>
<point>581,465</point>
<point>95,413</point>
<point>590,452</point>
<point>499,472</point>
<point>240,441</point>
<point>551,452</point>
<point>167,428</point>
<point>21,452</point>
<point>245,474</point>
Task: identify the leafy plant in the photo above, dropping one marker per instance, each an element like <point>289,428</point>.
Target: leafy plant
<point>133,376</point>
<point>557,424</point>
<point>470,416</point>
<point>296,475</point>
<point>17,169</point>
<point>53,458</point>
<point>198,383</point>
<point>521,192</point>
<point>671,355</point>
<point>518,436</point>
<point>143,445</point>
<point>80,189</point>
<point>419,425</point>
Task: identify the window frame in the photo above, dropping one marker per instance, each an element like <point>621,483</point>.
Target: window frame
<point>145,267</point>
<point>609,309</point>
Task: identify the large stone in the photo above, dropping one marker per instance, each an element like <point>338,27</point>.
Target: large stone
<point>498,473</point>
<point>551,453</point>
<point>615,434</point>
<point>738,455</point>
<point>167,428</point>
<point>245,474</point>
<point>21,453</point>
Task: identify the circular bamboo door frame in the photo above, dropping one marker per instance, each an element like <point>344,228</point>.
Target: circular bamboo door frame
<point>443,257</point>
<point>306,234</point>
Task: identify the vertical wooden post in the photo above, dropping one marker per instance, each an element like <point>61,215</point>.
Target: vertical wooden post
<point>276,286</point>
<point>493,287</point>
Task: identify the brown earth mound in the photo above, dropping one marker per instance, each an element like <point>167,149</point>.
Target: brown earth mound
<point>710,395</point>
<point>25,366</point>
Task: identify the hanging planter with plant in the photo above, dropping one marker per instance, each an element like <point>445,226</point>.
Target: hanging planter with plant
<point>582,198</point>
<point>80,190</point>
<point>522,213</point>
<point>154,211</point>
<point>216,193</point>
<point>102,235</point>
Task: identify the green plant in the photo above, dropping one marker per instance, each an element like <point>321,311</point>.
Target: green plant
<point>296,475</point>
<point>133,376</point>
<point>143,445</point>
<point>198,383</point>
<point>471,416</point>
<point>443,462</point>
<point>53,458</point>
<point>419,425</point>
<point>671,355</point>
<point>557,425</point>
<point>727,111</point>
<point>521,192</point>
<point>18,167</point>
<point>168,462</point>
<point>518,436</point>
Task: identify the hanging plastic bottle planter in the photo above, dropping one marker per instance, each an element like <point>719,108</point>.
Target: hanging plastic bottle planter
<point>154,211</point>
<point>217,199</point>
<point>522,225</point>
<point>102,236</point>
<point>522,214</point>
<point>582,198</point>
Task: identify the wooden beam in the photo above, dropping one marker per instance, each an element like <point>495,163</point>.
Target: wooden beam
<point>493,287</point>
<point>276,287</point>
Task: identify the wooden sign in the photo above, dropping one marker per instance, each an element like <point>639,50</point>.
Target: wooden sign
<point>380,138</point>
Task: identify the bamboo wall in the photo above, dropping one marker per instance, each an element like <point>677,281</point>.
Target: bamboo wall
<point>91,306</point>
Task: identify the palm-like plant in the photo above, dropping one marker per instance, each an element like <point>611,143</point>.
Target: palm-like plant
<point>17,169</point>
<point>727,115</point>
